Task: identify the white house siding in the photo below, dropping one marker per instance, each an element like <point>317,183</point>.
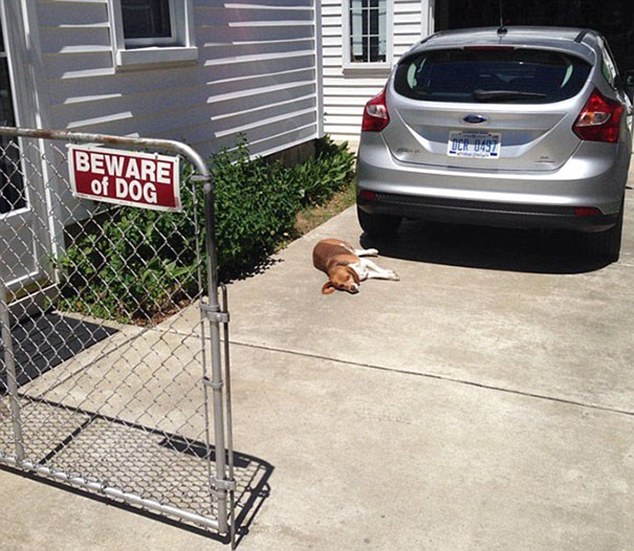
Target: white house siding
<point>346,91</point>
<point>256,74</point>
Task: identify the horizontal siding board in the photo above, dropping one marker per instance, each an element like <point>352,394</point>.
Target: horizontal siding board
<point>332,42</point>
<point>59,66</point>
<point>211,36</point>
<point>262,95</point>
<point>233,119</point>
<point>346,92</point>
<point>77,14</point>
<point>100,121</point>
<point>351,102</point>
<point>349,128</point>
<point>242,18</point>
<point>257,128</point>
<point>264,130</point>
<point>408,29</point>
<point>281,72</point>
<point>331,13</point>
<point>284,69</point>
<point>346,110</point>
<point>253,85</point>
<point>267,4</point>
<point>255,58</point>
<point>273,143</point>
<point>282,106</point>
<point>56,40</point>
<point>251,50</point>
<point>350,119</point>
<point>331,29</point>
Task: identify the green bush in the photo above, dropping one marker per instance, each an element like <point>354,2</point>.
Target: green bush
<point>256,202</point>
<point>135,264</point>
<point>131,264</point>
<point>319,178</point>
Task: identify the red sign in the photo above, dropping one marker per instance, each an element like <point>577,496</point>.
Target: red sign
<point>138,179</point>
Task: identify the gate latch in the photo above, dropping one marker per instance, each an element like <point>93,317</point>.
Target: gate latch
<point>226,484</point>
<point>214,315</point>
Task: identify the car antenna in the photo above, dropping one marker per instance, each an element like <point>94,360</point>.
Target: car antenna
<point>501,29</point>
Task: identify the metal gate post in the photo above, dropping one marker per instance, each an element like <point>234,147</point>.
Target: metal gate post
<point>12,380</point>
<point>216,317</point>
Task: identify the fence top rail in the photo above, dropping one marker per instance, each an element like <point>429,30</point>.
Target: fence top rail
<point>107,139</point>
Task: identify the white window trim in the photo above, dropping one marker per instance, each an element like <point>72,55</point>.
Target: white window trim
<point>345,35</point>
<point>143,53</point>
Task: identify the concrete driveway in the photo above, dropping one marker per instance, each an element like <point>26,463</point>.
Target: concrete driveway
<point>484,402</point>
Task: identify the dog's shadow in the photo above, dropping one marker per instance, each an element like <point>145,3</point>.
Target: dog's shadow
<point>487,248</point>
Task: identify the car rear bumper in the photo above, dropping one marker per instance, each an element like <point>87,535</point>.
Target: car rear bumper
<point>593,178</point>
<point>509,215</point>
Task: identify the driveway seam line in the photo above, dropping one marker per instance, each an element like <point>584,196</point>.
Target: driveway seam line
<point>465,382</point>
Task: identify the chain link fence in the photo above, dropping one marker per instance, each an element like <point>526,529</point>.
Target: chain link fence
<point>112,373</point>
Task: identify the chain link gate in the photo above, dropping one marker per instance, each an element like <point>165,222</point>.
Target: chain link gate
<point>106,381</point>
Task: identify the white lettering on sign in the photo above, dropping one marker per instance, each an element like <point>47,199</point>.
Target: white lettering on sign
<point>142,179</point>
<point>136,190</point>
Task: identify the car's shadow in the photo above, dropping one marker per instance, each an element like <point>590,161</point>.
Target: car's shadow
<point>488,248</point>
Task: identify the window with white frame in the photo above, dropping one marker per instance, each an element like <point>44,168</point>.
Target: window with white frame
<point>149,32</point>
<point>366,33</point>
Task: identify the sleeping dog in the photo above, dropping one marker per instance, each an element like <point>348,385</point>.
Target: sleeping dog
<point>344,266</point>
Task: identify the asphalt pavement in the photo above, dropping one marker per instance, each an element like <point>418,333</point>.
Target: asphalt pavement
<point>483,402</point>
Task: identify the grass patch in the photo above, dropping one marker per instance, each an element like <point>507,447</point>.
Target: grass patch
<point>313,216</point>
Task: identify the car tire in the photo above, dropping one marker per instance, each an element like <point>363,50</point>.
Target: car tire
<point>607,244</point>
<point>378,225</point>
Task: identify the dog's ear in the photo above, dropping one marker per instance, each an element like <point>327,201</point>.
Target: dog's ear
<point>354,274</point>
<point>328,288</point>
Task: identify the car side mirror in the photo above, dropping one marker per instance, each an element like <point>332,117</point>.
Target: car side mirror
<point>628,83</point>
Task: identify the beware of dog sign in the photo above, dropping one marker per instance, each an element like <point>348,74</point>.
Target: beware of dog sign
<point>128,178</point>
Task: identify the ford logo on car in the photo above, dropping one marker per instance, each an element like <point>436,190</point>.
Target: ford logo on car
<point>474,119</point>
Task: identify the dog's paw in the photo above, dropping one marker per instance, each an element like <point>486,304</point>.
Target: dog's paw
<point>366,252</point>
<point>394,276</point>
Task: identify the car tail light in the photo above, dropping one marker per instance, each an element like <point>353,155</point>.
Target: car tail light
<point>375,115</point>
<point>367,195</point>
<point>599,120</point>
<point>583,212</point>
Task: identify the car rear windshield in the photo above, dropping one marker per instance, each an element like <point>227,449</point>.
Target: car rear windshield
<point>498,75</point>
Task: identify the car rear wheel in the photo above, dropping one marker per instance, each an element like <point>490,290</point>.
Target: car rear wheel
<point>607,244</point>
<point>378,225</point>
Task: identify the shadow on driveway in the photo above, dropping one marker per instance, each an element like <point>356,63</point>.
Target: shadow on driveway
<point>44,342</point>
<point>488,248</point>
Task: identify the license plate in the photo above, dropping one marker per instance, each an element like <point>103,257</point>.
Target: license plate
<point>480,145</point>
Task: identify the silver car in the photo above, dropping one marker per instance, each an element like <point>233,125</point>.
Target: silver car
<point>526,127</point>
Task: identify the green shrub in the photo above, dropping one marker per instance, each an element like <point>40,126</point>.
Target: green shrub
<point>131,264</point>
<point>330,170</point>
<point>256,202</point>
<point>135,264</point>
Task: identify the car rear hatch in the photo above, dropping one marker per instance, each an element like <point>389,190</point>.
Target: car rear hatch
<point>490,108</point>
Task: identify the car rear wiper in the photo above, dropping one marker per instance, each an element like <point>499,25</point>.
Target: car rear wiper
<point>493,95</point>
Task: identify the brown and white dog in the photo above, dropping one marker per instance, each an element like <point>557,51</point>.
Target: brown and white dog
<point>345,267</point>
